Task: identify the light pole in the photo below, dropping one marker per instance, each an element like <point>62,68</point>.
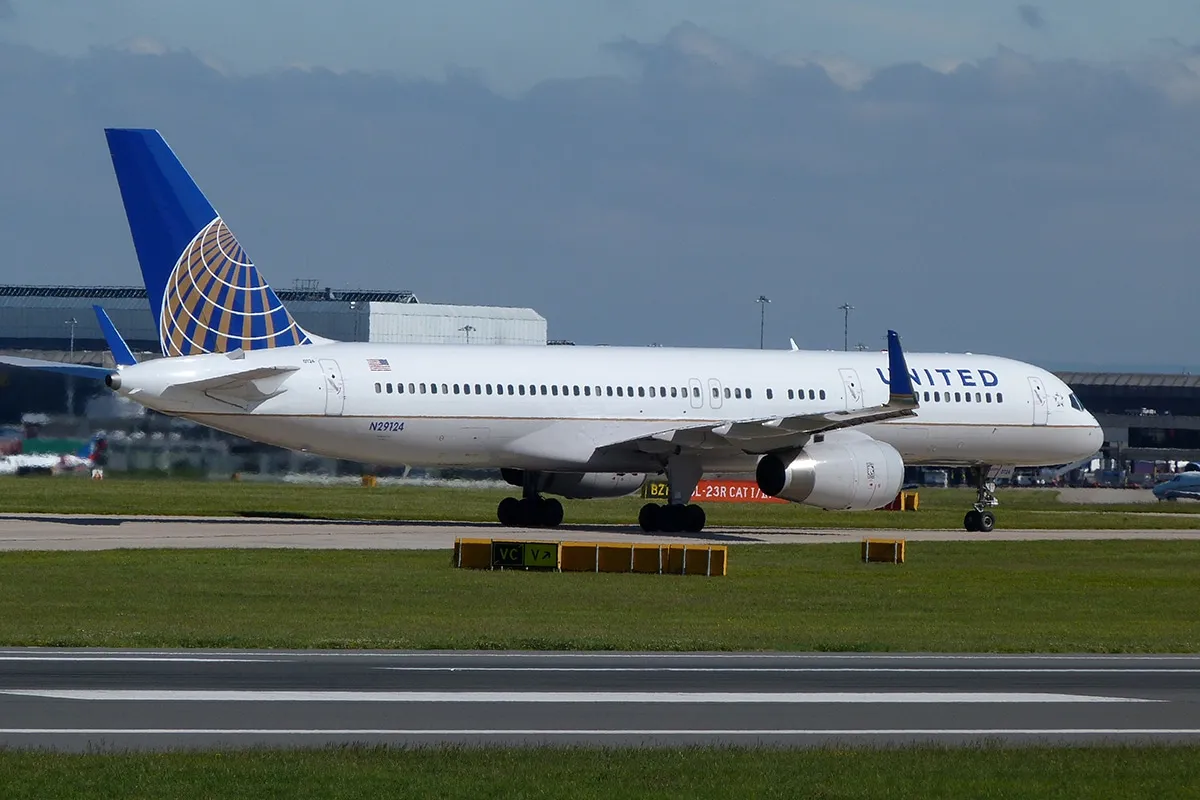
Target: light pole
<point>846,308</point>
<point>71,378</point>
<point>762,317</point>
<point>467,330</point>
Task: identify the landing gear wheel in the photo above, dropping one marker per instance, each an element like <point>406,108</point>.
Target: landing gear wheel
<point>693,518</point>
<point>987,521</point>
<point>508,511</point>
<point>648,517</point>
<point>550,513</point>
<point>972,521</point>
<point>671,518</point>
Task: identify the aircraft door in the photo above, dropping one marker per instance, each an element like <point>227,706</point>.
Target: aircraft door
<point>335,388</point>
<point>714,392</point>
<point>1041,401</point>
<point>696,392</point>
<point>853,389</point>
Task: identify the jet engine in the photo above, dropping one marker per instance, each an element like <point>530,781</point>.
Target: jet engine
<point>580,485</point>
<point>842,470</point>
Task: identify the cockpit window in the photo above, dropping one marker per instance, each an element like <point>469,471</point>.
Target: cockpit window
<point>1075,403</point>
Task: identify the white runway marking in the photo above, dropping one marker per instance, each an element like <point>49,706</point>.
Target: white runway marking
<point>769,670</point>
<point>224,696</point>
<point>603,732</point>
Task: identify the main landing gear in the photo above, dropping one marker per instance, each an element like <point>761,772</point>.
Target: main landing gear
<point>683,474</point>
<point>979,519</point>
<point>532,510</point>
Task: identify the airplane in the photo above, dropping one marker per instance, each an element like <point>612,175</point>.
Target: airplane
<point>828,429</point>
<point>1182,486</point>
<point>87,457</point>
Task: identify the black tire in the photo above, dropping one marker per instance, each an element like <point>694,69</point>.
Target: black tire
<point>987,522</point>
<point>527,513</point>
<point>671,518</point>
<point>971,521</point>
<point>550,513</point>
<point>694,518</point>
<point>648,517</point>
<point>508,511</point>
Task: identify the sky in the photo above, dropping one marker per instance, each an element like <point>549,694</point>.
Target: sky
<point>1016,179</point>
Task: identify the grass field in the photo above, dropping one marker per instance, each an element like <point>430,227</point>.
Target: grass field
<point>446,773</point>
<point>941,508</point>
<point>1059,596</point>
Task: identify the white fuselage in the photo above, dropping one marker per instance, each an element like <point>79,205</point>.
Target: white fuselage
<point>561,407</point>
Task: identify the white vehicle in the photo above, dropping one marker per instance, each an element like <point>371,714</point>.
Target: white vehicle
<point>829,429</point>
<point>85,459</point>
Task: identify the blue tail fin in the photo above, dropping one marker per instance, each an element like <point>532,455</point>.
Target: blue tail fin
<point>208,297</point>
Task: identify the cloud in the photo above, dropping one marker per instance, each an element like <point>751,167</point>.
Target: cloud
<point>1031,16</point>
<point>945,201</point>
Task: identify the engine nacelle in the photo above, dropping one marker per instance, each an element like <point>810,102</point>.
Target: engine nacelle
<point>580,485</point>
<point>846,470</point>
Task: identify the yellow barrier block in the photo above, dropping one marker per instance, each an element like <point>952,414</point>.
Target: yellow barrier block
<point>472,553</point>
<point>647,558</point>
<point>368,480</point>
<point>911,500</point>
<point>577,556</point>
<point>890,551</point>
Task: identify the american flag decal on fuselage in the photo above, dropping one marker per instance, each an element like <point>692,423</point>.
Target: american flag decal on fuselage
<point>378,365</point>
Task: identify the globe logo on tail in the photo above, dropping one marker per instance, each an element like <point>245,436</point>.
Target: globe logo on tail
<point>216,301</point>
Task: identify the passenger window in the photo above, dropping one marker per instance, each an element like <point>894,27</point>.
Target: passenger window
<point>977,398</point>
<point>445,389</point>
<point>747,394</point>
<point>466,388</point>
<point>736,393</point>
<point>510,389</point>
<point>554,390</point>
<point>566,391</point>
<point>610,391</point>
<point>587,391</point>
<point>543,388</point>
<point>927,397</point>
<point>575,391</point>
<point>478,389</point>
<point>967,396</point>
<point>412,389</point>
<point>630,390</point>
<point>958,397</point>
<point>652,391</point>
<point>378,389</point>
<point>456,388</point>
<point>988,397</point>
<point>937,397</point>
<point>487,388</point>
<point>999,397</point>
<point>695,391</point>
<point>521,389</point>
<point>620,392</point>
<point>641,391</point>
<point>727,395</point>
<point>598,392</point>
<point>716,392</point>
<point>674,393</point>
<point>791,394</point>
<point>770,394</point>
<point>422,388</point>
<point>822,393</point>
<point>662,391</point>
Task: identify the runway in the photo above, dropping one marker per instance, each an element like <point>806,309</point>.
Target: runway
<point>92,532</point>
<point>80,699</point>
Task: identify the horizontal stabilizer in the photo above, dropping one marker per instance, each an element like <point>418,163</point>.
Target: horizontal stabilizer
<point>60,367</point>
<point>244,389</point>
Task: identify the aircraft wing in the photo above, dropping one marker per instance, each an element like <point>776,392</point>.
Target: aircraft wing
<point>61,367</point>
<point>762,435</point>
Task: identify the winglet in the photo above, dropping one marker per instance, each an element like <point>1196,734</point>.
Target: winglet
<point>121,353</point>
<point>792,342</point>
<point>899,378</point>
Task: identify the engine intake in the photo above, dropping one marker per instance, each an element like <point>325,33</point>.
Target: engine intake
<point>847,470</point>
<point>580,485</point>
